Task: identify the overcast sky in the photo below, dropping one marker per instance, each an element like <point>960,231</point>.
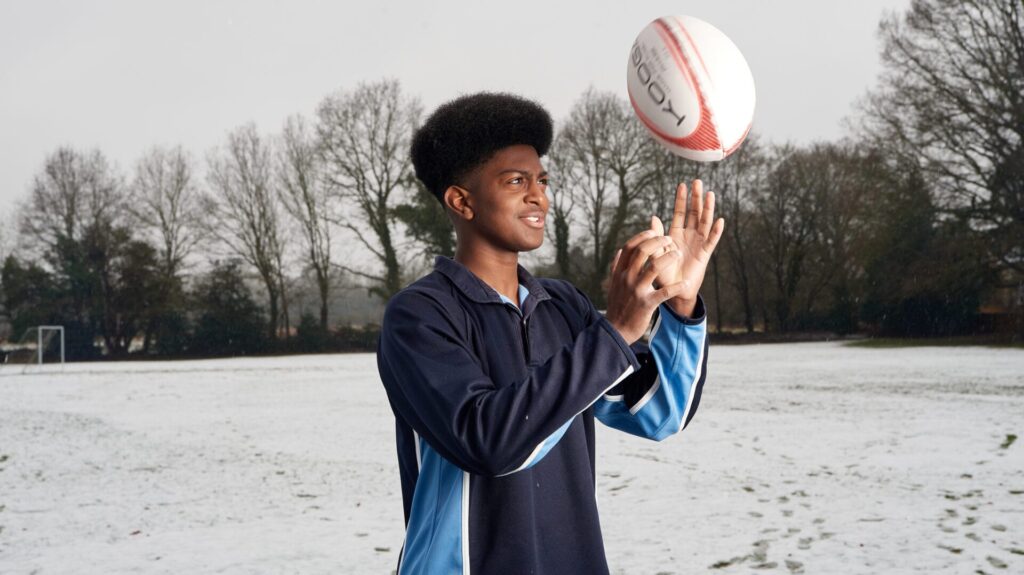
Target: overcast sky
<point>124,76</point>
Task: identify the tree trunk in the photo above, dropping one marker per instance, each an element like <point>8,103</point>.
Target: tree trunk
<point>323,284</point>
<point>748,310</point>
<point>272,301</point>
<point>284,306</point>
<point>393,279</point>
<point>562,246</point>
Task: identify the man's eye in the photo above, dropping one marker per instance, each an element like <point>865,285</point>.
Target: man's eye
<point>515,181</point>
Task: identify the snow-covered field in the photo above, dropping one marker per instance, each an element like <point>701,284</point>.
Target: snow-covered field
<point>804,458</point>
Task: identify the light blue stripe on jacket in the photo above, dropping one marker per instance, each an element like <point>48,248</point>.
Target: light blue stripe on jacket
<point>678,350</point>
<point>434,539</point>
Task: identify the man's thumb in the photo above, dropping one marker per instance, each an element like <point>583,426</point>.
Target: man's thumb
<point>657,226</point>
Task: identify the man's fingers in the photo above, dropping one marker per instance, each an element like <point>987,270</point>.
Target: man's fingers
<point>670,291</point>
<point>696,197</point>
<point>634,241</point>
<point>645,250</point>
<point>715,235</point>
<point>629,248</point>
<point>615,260</point>
<point>670,258</point>
<point>679,210</point>
<point>657,226</point>
<point>707,217</point>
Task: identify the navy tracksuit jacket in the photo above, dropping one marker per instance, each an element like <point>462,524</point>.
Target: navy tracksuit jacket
<point>494,409</point>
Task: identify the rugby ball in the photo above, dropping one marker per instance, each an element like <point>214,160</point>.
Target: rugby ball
<point>691,87</point>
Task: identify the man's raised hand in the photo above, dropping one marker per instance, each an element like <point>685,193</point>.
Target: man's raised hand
<point>695,234</point>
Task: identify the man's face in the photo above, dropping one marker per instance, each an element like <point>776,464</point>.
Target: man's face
<point>508,194</point>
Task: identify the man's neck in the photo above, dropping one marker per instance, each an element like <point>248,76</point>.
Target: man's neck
<point>497,269</point>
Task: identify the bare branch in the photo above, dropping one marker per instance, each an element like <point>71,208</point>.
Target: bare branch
<point>364,140</point>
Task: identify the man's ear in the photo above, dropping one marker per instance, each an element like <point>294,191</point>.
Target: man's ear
<point>457,200</point>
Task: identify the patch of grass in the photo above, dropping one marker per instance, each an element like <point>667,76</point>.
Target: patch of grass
<point>996,562</point>
<point>955,341</point>
<point>1010,438</point>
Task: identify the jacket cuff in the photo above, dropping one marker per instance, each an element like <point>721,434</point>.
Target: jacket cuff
<point>699,312</point>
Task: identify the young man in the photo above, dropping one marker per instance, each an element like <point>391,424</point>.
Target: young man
<point>495,376</point>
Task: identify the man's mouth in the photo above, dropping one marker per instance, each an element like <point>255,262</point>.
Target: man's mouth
<point>534,221</point>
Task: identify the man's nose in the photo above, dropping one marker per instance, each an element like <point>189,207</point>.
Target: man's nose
<point>537,194</point>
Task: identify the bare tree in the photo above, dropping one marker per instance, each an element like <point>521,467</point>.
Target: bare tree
<point>786,217</point>
<point>562,204</point>
<point>165,200</point>
<point>604,158</point>
<point>666,170</point>
<point>365,135</point>
<point>811,214</point>
<point>76,203</point>
<point>951,99</point>
<point>306,195</point>
<point>245,212</point>
<point>736,181</point>
<point>843,183</point>
<point>73,191</point>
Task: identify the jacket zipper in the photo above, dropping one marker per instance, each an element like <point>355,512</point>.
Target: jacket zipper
<point>524,332</point>
<point>526,339</point>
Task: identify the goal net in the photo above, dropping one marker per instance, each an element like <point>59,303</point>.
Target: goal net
<point>40,345</point>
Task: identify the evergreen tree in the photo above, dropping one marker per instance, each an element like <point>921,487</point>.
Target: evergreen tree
<point>229,321</point>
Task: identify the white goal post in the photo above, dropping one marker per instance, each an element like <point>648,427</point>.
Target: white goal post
<point>39,344</point>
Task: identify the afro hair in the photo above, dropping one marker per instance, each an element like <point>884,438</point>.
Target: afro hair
<point>466,132</point>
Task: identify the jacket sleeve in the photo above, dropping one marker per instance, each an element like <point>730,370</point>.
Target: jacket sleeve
<point>438,386</point>
<point>661,397</point>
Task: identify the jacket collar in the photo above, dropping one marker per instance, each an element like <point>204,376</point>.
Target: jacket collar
<point>477,290</point>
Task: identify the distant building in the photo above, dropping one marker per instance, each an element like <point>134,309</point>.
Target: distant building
<point>1002,310</point>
